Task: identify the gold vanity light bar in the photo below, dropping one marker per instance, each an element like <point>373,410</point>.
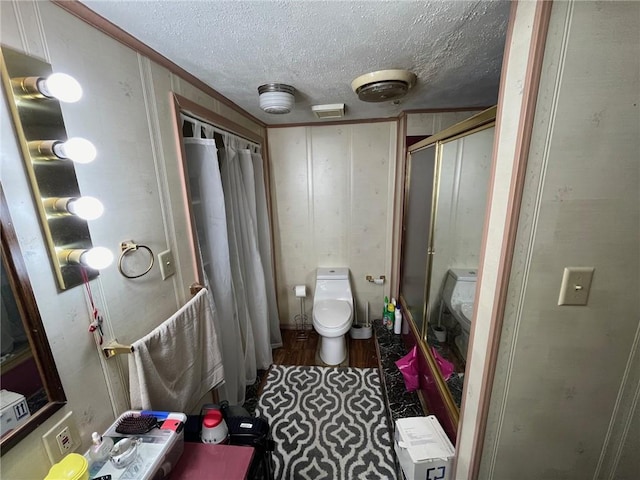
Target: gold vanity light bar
<point>77,149</point>
<point>34,93</point>
<point>60,86</point>
<point>87,208</point>
<point>96,257</point>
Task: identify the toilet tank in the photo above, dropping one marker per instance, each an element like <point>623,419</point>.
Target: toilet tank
<point>459,287</point>
<point>332,284</point>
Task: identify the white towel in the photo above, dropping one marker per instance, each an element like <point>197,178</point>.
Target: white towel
<point>176,364</point>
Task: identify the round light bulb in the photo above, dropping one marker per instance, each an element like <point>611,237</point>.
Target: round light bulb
<point>77,149</point>
<point>61,86</point>
<point>97,258</point>
<point>88,208</point>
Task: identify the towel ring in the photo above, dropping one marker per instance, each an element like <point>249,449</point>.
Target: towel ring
<point>128,247</point>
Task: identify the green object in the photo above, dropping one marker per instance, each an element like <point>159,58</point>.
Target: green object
<point>389,316</point>
<point>384,309</point>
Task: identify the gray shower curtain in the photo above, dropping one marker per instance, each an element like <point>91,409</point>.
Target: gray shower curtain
<point>235,245</point>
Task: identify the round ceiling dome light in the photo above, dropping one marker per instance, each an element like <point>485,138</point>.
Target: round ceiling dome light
<point>276,97</point>
<point>383,85</point>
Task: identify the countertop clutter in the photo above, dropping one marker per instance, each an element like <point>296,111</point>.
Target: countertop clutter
<point>150,445</point>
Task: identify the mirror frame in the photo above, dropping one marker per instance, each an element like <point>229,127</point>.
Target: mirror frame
<point>480,121</point>
<point>19,280</point>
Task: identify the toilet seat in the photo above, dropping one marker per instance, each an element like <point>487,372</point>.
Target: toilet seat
<point>331,314</point>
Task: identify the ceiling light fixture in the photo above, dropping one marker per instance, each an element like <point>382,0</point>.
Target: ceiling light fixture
<point>383,85</point>
<point>276,98</point>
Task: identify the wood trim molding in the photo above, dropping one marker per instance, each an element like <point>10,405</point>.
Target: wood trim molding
<point>540,27</point>
<point>330,123</point>
<point>98,22</point>
<point>445,110</point>
<point>18,279</point>
<point>188,106</point>
<point>475,121</point>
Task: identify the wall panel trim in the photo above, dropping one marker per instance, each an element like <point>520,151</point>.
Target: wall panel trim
<point>527,108</point>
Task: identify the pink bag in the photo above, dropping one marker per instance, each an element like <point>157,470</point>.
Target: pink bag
<point>444,365</point>
<point>408,366</point>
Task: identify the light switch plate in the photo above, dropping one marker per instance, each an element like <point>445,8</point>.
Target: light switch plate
<point>576,283</point>
<point>167,265</point>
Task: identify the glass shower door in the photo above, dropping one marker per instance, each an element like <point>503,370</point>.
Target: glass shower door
<point>417,221</point>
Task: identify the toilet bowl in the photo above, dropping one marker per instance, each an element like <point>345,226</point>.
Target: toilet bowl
<point>464,319</point>
<point>332,313</point>
<point>458,295</point>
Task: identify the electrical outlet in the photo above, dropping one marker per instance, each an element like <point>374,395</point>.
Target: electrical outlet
<point>64,441</point>
<point>167,266</point>
<point>63,438</point>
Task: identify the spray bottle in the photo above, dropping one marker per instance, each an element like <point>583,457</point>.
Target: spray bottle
<point>389,316</point>
<point>397,323</point>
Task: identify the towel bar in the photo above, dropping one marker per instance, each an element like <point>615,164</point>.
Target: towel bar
<point>115,348</point>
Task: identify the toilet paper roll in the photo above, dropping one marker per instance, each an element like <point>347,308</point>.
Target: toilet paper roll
<point>301,290</point>
<point>379,281</point>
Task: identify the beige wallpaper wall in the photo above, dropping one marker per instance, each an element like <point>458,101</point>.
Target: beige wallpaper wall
<point>567,384</point>
<point>126,113</point>
<point>332,195</point>
<point>332,190</point>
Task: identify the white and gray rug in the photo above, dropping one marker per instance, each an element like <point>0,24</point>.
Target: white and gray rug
<point>327,423</point>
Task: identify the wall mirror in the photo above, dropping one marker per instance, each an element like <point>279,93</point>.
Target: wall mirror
<point>31,387</point>
<point>446,186</point>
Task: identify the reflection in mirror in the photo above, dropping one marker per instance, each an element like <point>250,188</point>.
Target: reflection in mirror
<point>31,387</point>
<point>457,237</point>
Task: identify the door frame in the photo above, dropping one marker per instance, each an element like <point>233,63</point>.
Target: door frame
<point>519,84</point>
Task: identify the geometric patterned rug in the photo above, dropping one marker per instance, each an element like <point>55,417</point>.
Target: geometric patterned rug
<point>327,423</point>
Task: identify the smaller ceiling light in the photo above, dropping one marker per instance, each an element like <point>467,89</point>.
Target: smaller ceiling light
<point>58,85</point>
<point>276,98</point>
<point>87,208</point>
<point>77,149</point>
<point>383,85</point>
<point>96,258</point>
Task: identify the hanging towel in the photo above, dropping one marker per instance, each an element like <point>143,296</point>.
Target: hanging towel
<point>176,364</point>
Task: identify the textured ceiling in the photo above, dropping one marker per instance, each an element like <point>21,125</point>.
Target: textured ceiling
<point>454,47</point>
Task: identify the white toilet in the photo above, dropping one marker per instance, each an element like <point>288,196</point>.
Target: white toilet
<point>458,295</point>
<point>332,313</point>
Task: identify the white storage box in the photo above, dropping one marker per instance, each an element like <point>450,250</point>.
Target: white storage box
<point>158,450</point>
<point>15,410</point>
<point>423,449</point>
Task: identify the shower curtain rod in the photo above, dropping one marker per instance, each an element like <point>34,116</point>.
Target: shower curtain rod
<point>192,120</point>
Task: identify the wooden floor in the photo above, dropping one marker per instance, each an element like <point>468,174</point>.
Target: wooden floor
<point>362,353</point>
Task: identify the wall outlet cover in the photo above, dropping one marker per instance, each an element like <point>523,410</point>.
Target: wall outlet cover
<point>63,438</point>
